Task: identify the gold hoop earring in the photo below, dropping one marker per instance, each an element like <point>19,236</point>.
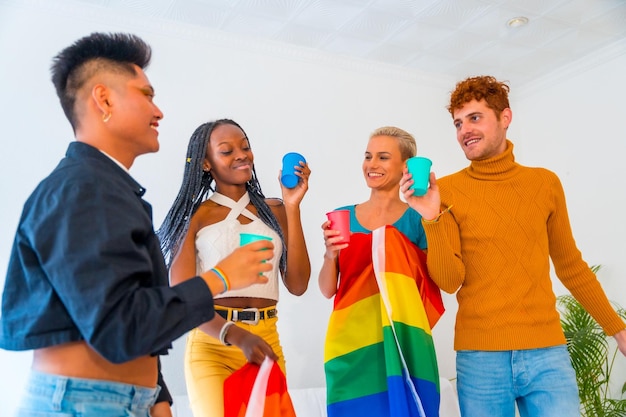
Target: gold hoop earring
<point>106,117</point>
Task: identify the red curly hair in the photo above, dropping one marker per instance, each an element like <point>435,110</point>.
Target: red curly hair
<point>485,87</point>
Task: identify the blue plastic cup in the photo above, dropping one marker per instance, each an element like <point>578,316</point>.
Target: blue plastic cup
<point>290,161</point>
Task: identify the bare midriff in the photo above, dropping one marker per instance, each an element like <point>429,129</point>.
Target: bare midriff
<point>79,360</point>
<point>244,302</point>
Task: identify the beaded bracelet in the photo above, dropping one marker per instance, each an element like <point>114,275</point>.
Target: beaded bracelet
<point>224,331</point>
<point>222,276</point>
<point>436,219</point>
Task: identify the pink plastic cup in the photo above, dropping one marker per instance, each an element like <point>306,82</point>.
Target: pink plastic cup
<point>340,220</point>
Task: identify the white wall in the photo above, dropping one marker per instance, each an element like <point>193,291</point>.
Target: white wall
<point>292,99</point>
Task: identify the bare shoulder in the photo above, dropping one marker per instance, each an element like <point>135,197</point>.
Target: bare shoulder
<point>278,208</point>
<point>274,202</point>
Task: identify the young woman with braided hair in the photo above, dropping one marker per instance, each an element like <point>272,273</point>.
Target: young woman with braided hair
<point>220,197</point>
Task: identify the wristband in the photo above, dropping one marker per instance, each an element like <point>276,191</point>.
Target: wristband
<point>222,276</point>
<point>224,331</point>
<point>436,219</point>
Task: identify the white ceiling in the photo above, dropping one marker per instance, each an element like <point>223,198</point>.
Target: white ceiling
<point>453,38</point>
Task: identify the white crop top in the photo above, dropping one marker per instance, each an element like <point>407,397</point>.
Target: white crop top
<point>216,241</point>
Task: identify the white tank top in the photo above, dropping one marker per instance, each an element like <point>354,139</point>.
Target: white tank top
<point>216,241</point>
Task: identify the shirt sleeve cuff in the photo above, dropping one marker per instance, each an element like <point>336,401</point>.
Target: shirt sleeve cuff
<point>198,298</point>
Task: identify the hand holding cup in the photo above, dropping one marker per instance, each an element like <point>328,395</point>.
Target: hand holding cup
<point>243,267</point>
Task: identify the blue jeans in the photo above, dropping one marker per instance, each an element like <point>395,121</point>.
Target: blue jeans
<point>541,381</point>
<point>58,396</point>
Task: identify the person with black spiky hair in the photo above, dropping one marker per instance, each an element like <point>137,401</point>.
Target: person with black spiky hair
<point>87,286</point>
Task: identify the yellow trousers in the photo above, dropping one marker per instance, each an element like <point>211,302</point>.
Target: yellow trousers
<point>208,363</point>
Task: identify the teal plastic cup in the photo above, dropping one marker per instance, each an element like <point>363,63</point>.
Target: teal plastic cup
<point>245,238</point>
<point>288,176</point>
<point>419,168</point>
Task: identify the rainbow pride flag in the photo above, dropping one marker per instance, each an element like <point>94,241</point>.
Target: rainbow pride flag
<point>379,355</point>
<point>257,391</point>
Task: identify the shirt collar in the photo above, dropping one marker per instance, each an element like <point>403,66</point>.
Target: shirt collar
<point>140,191</point>
<point>81,150</point>
<point>116,161</point>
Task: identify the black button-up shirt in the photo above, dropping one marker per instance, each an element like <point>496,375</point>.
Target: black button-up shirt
<point>87,265</point>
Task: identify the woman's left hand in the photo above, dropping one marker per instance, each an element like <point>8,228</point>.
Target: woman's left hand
<point>296,194</point>
<point>255,348</point>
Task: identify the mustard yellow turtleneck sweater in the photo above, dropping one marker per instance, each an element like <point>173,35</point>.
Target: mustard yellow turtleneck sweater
<point>495,243</point>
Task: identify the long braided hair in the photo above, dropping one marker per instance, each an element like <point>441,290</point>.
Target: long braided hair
<point>197,186</point>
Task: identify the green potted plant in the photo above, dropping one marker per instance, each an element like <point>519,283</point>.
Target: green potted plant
<point>593,357</point>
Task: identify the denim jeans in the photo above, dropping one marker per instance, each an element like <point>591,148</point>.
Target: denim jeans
<point>58,396</point>
<point>541,381</point>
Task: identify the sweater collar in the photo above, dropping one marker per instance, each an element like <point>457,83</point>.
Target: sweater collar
<point>499,167</point>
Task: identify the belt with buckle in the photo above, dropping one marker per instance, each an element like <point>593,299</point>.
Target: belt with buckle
<point>247,315</point>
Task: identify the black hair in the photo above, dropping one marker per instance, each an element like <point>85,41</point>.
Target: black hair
<point>75,65</point>
<point>196,188</point>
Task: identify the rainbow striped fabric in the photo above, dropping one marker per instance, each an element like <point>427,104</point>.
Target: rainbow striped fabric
<point>257,391</point>
<point>379,355</point>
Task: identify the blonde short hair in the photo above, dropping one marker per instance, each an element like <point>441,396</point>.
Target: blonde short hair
<point>406,141</point>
